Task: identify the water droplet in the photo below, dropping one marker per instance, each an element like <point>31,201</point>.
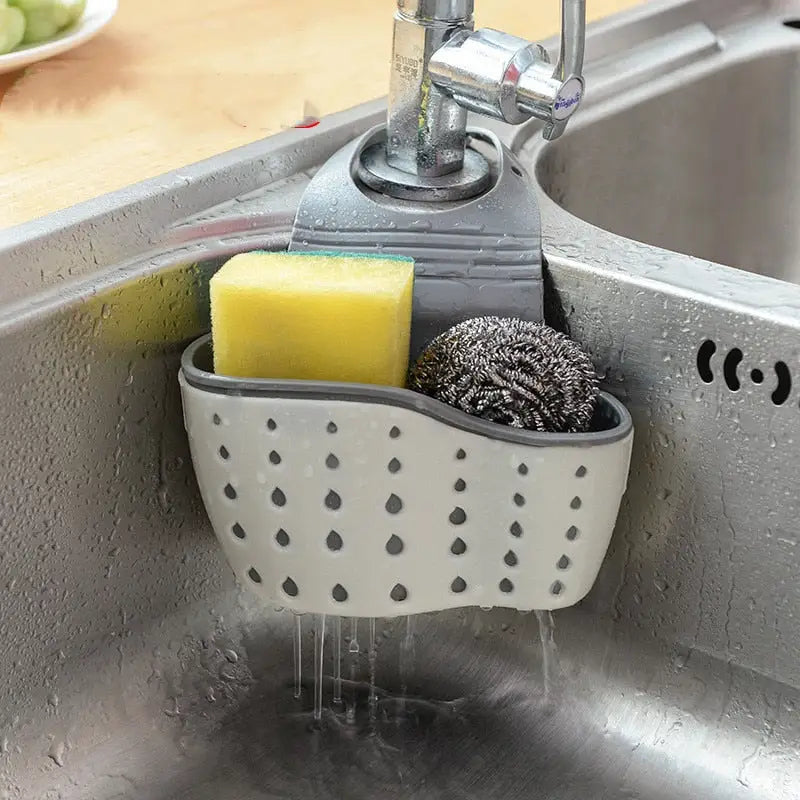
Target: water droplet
<point>56,752</point>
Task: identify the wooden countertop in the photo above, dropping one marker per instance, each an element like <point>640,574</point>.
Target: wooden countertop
<point>168,84</point>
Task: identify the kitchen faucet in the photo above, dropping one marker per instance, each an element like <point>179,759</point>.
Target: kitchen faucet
<point>441,68</point>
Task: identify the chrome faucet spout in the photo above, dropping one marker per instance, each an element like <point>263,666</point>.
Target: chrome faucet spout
<point>442,68</point>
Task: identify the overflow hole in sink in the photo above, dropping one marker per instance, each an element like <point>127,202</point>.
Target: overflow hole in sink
<point>704,354</point>
<point>729,367</point>
<point>784,387</point>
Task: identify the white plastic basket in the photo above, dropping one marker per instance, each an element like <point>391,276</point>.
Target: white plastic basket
<point>376,502</point>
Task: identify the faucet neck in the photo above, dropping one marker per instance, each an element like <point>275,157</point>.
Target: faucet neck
<point>426,128</point>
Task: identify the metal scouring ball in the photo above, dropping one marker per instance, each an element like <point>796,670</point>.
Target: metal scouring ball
<point>510,371</point>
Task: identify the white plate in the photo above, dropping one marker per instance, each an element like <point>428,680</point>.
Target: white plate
<point>97,15</point>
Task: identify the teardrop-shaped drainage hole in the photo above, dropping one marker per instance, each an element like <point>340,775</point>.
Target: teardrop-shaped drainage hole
<point>339,593</point>
<point>394,505</point>
<point>399,593</point>
<point>510,558</point>
<point>333,501</point>
<point>394,546</point>
<point>458,516</point>
<point>459,547</point>
<point>334,541</point>
<point>290,587</point>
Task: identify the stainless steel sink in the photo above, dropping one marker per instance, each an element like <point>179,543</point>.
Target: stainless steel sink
<point>133,667</point>
<point>706,162</point>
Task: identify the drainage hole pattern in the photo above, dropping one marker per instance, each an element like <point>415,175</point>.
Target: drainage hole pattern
<point>334,543</point>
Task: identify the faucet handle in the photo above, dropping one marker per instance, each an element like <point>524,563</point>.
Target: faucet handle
<point>569,68</point>
<point>506,77</point>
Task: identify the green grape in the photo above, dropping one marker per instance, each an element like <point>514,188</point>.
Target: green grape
<point>12,27</point>
<point>40,24</point>
<point>75,9</point>
<point>45,18</point>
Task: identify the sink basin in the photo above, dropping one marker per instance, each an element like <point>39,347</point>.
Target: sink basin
<point>709,167</point>
<point>134,668</point>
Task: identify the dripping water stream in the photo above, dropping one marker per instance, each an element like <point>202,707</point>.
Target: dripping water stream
<point>345,692</point>
<point>337,663</point>
<point>297,651</point>
<point>353,652</point>
<point>319,658</point>
<point>550,664</point>
<point>373,660</point>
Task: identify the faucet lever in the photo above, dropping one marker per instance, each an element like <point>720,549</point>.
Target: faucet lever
<point>506,77</point>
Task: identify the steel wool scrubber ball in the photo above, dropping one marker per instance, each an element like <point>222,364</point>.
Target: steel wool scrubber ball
<point>512,372</point>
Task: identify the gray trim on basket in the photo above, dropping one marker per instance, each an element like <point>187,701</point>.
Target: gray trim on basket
<point>610,412</point>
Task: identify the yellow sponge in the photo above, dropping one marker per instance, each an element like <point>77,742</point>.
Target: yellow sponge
<point>313,316</point>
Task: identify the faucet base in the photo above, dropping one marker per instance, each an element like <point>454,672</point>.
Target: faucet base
<point>471,180</point>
